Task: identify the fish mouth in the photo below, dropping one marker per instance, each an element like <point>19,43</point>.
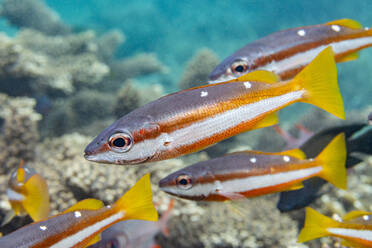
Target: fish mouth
<point>95,158</point>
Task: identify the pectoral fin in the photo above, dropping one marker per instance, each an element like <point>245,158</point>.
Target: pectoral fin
<point>295,186</point>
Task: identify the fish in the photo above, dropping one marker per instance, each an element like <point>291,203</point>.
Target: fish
<point>81,224</point>
<point>358,141</point>
<point>303,135</point>
<point>135,233</point>
<point>370,119</point>
<point>254,173</point>
<point>355,228</point>
<point>193,119</point>
<point>286,52</point>
<point>27,194</point>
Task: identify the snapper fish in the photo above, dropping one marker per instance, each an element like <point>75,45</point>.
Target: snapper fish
<point>287,52</point>
<point>355,228</point>
<point>81,225</point>
<point>253,173</point>
<point>190,120</point>
<point>28,194</point>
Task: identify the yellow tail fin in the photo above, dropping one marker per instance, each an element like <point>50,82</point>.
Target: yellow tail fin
<point>137,202</point>
<point>315,226</point>
<point>333,160</point>
<point>319,80</point>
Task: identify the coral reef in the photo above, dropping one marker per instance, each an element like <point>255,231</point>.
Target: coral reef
<point>33,14</point>
<point>198,68</point>
<point>19,134</point>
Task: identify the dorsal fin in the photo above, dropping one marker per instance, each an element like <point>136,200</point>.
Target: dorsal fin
<point>296,153</point>
<point>355,214</point>
<point>259,76</point>
<point>349,23</point>
<point>87,204</point>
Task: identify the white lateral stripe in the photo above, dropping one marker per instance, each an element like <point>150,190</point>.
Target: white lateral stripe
<point>229,119</point>
<point>86,232</point>
<point>14,196</point>
<point>304,58</point>
<point>352,233</point>
<point>245,184</point>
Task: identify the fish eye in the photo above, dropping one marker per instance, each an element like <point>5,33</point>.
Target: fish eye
<point>121,142</point>
<point>184,182</point>
<point>239,67</point>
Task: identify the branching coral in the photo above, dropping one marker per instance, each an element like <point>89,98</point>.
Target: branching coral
<point>198,68</point>
<point>33,14</point>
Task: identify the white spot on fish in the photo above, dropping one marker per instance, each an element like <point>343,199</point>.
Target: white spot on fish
<point>365,217</point>
<point>43,228</point>
<point>286,158</point>
<point>366,28</point>
<point>203,93</point>
<point>336,28</point>
<point>253,160</point>
<point>108,206</point>
<point>77,214</point>
<point>247,85</point>
<point>301,32</point>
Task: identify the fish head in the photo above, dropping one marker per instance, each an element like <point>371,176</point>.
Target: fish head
<point>230,68</point>
<point>126,141</point>
<point>189,183</point>
<point>20,176</point>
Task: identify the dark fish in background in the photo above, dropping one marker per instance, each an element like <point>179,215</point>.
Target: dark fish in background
<point>358,140</point>
<point>135,233</point>
<point>370,119</point>
<point>288,51</point>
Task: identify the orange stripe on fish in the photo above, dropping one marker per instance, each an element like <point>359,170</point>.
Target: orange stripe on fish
<point>249,174</point>
<point>80,225</point>
<point>287,52</point>
<point>190,120</point>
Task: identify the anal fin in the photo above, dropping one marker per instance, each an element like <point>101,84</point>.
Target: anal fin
<point>269,120</point>
<point>96,239</point>
<point>295,186</point>
<point>349,57</point>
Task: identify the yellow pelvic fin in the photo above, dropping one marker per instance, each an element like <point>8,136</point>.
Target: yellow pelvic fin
<point>349,23</point>
<point>296,153</point>
<point>86,204</point>
<point>137,202</point>
<point>315,226</point>
<point>319,80</point>
<point>259,76</point>
<point>333,160</point>
<point>269,120</point>
<point>94,240</point>
<point>349,57</point>
<point>36,202</point>
<point>295,186</point>
<point>355,214</point>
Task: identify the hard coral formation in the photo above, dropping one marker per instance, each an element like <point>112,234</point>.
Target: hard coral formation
<point>198,68</point>
<point>33,14</point>
<point>19,134</point>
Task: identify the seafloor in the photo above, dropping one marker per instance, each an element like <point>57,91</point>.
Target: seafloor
<point>60,86</point>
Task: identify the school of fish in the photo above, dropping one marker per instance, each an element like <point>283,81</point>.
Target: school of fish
<point>244,93</point>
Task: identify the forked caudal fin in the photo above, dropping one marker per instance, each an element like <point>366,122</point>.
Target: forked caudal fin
<point>137,202</point>
<point>333,160</point>
<point>315,226</point>
<point>319,80</point>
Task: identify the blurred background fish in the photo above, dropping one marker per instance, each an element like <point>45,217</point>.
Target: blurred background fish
<point>28,194</point>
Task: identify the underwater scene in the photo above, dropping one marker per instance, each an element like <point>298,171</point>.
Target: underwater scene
<point>157,124</point>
